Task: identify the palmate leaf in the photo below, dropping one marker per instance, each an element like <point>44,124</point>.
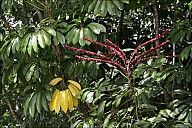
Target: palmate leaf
<point>90,31</point>
<point>113,7</point>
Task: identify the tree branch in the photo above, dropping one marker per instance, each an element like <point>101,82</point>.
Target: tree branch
<point>14,114</point>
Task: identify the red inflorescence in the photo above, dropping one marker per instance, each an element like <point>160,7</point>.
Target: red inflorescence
<point>116,50</point>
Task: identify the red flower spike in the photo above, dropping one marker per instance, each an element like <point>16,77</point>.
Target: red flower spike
<point>108,47</point>
<point>100,60</point>
<point>152,49</point>
<point>147,42</point>
<point>86,52</point>
<point>116,47</point>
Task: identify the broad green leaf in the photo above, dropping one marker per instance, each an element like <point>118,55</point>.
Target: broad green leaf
<point>34,42</point>
<point>30,72</point>
<point>15,45</point>
<point>106,121</point>
<point>100,26</point>
<point>101,108</point>
<point>119,4</point>
<point>60,37</point>
<point>68,28</point>
<point>62,24</point>
<point>30,47</point>
<point>87,34</point>
<point>76,36</point>
<point>41,39</point>
<point>36,72</point>
<point>103,8</point>
<point>92,6</point>
<point>94,28</point>
<point>47,38</point>
<point>190,5</point>
<point>50,30</point>
<point>48,95</point>
<point>25,42</point>
<point>26,104</point>
<point>32,105</point>
<point>44,102</point>
<point>97,7</point>
<point>70,35</point>
<point>110,7</point>
<point>38,103</point>
<point>81,41</point>
<point>47,20</point>
<point>183,113</point>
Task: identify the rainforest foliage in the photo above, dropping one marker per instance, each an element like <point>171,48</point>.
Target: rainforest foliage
<point>96,63</point>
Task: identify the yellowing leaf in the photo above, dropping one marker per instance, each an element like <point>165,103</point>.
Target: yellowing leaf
<point>55,81</point>
<point>54,101</point>
<point>75,84</point>
<point>74,90</point>
<point>64,101</point>
<point>51,106</point>
<point>58,103</point>
<point>70,99</point>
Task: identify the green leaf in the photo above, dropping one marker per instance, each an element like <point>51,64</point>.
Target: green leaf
<point>97,7</point>
<point>94,28</point>
<point>118,100</point>
<point>110,7</point>
<point>70,35</point>
<point>103,8</point>
<point>76,36</point>
<point>48,95</point>
<point>183,113</point>
<point>81,41</point>
<point>34,42</point>
<point>101,108</point>
<point>60,37</point>
<point>119,4</point>
<point>26,104</point>
<point>44,102</point>
<point>25,42</point>
<point>50,30</point>
<point>106,121</point>
<point>41,39</point>
<point>32,105</point>
<point>92,6</point>
<point>100,26</point>
<point>47,38</point>
<point>30,47</point>
<point>30,72</point>
<point>190,5</point>
<point>38,103</point>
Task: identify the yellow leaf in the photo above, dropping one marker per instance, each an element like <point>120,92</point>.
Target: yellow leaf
<point>74,90</point>
<point>70,99</point>
<point>55,81</point>
<point>64,101</point>
<point>51,106</point>
<point>53,103</point>
<point>58,103</point>
<point>77,85</point>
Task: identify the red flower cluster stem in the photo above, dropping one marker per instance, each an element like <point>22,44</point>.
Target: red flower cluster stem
<point>117,48</point>
<point>147,52</point>
<point>101,60</point>
<point>86,52</point>
<point>112,47</point>
<point>147,42</point>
